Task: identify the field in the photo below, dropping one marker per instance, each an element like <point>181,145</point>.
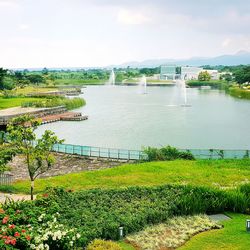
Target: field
<point>216,173</point>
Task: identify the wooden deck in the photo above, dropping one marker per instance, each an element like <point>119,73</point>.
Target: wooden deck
<point>67,116</point>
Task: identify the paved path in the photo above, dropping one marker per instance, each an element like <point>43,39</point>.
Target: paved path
<point>14,197</point>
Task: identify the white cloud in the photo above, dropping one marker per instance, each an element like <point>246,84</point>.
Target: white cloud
<point>24,27</point>
<point>9,3</point>
<point>126,16</point>
<point>226,42</point>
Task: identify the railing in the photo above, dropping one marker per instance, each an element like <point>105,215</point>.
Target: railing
<point>120,154</point>
<point>218,153</point>
<point>124,154</point>
<point>6,179</point>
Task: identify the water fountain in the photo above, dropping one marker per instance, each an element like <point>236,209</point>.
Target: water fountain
<point>111,80</point>
<point>181,83</point>
<point>143,84</point>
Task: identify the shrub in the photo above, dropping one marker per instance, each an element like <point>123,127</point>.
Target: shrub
<point>167,153</point>
<point>103,245</point>
<point>98,214</point>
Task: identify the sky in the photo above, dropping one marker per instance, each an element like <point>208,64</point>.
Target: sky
<point>97,33</point>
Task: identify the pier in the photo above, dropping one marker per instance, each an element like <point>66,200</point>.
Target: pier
<point>46,115</point>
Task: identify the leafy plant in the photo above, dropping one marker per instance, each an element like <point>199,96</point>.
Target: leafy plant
<point>167,153</point>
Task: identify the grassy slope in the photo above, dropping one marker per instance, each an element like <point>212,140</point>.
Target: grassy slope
<point>233,236</point>
<point>216,173</point>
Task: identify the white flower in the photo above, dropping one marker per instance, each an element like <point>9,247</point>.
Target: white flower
<point>78,236</point>
<point>71,243</point>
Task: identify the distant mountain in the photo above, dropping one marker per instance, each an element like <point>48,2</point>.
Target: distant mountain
<point>241,57</point>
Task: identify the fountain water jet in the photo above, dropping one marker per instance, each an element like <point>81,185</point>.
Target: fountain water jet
<point>182,85</point>
<point>143,84</point>
<point>112,78</point>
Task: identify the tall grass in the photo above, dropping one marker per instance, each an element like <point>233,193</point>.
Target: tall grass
<point>56,101</point>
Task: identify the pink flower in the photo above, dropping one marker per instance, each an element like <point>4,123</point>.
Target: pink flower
<point>5,219</point>
<point>17,234</point>
<point>12,226</point>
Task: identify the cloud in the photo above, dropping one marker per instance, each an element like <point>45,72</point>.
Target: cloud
<point>226,42</point>
<point>8,3</point>
<point>126,16</point>
<point>24,27</point>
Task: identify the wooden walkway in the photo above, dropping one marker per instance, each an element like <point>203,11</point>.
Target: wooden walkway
<point>67,116</point>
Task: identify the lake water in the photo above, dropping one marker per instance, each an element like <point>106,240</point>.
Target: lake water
<point>123,117</point>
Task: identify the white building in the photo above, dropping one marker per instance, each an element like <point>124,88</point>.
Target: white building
<point>190,73</point>
<point>213,73</point>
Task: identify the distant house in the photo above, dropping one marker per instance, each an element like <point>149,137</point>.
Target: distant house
<point>190,73</point>
<point>213,73</point>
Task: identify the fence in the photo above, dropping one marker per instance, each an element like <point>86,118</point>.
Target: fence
<point>218,153</point>
<point>124,154</point>
<point>6,179</point>
<point>120,154</point>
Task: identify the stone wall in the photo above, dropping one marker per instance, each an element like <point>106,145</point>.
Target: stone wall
<point>65,164</point>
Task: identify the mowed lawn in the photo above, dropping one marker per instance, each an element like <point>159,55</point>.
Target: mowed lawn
<point>213,173</point>
<point>14,102</point>
<point>232,237</point>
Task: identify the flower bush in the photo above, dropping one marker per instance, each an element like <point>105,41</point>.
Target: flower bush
<point>43,233</point>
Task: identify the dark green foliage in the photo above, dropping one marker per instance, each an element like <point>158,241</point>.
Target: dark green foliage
<point>218,84</point>
<point>99,213</point>
<point>167,153</point>
<point>242,75</point>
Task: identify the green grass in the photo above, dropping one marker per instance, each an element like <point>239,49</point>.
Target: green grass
<point>213,173</point>
<point>239,93</point>
<point>14,101</point>
<point>79,82</point>
<point>125,246</point>
<point>232,237</point>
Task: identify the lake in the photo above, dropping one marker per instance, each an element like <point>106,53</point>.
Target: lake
<point>123,117</point>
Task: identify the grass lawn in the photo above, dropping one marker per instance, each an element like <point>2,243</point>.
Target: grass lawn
<point>14,102</point>
<point>213,173</point>
<point>79,82</point>
<point>232,237</point>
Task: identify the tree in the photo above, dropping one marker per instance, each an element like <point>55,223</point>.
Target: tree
<point>3,74</point>
<point>37,152</point>
<point>204,76</point>
<point>35,79</point>
<point>242,75</point>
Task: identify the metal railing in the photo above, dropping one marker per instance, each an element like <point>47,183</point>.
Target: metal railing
<point>124,154</point>
<point>218,153</point>
<point>110,153</point>
<point>6,179</point>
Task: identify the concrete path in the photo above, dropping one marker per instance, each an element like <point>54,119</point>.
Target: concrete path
<point>219,217</point>
<point>14,197</point>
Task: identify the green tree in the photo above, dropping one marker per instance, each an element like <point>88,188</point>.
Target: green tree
<point>3,74</point>
<point>204,76</point>
<point>242,75</point>
<point>35,78</point>
<point>37,152</point>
